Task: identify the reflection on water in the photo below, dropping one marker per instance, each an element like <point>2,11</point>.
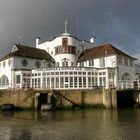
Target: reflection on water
<point>93,124</point>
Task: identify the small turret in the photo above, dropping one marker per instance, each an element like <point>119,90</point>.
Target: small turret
<point>37,41</point>
<point>92,40</point>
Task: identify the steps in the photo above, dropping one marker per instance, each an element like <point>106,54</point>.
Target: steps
<point>74,105</point>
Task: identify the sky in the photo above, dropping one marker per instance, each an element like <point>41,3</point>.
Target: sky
<point>112,21</point>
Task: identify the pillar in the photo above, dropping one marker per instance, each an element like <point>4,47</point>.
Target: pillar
<point>110,98</point>
<point>36,100</point>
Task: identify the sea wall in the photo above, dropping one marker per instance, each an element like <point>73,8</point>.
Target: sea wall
<point>82,98</point>
<point>67,98</point>
<point>23,99</point>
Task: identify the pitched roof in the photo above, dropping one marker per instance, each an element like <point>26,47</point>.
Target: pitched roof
<point>101,51</point>
<point>29,52</point>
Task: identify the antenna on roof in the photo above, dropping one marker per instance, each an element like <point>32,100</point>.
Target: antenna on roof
<point>77,25</point>
<point>66,26</point>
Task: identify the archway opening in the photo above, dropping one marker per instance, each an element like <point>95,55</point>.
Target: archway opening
<point>126,77</point>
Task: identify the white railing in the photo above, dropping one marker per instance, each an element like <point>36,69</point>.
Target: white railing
<point>128,84</point>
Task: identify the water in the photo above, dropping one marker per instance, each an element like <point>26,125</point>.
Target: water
<point>92,124</point>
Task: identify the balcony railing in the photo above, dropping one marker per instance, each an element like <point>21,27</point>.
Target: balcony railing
<point>128,84</point>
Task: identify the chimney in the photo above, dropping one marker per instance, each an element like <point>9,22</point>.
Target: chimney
<point>37,41</point>
<point>92,40</point>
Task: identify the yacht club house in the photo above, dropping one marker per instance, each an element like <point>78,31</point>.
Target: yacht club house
<point>66,62</point>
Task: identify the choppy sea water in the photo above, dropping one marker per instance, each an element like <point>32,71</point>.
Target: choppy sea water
<point>92,124</point>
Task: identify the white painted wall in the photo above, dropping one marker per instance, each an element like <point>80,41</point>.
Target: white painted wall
<point>110,61</point>
<point>59,58</point>
<point>16,64</point>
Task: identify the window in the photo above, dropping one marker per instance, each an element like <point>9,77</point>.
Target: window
<point>80,81</point>
<point>91,62</point>
<point>82,64</point>
<point>61,82</point>
<point>73,50</point>
<point>64,64</point>
<point>102,62</point>
<point>66,73</point>
<point>17,79</point>
<point>57,82</point>
<point>24,62</point>
<point>84,81</point>
<point>131,63</point>
<point>79,73</point>
<point>64,41</point>
<point>126,61</point>
<point>120,60</point>
<point>89,73</point>
<point>4,80</point>
<point>48,82</point>
<point>37,64</point>
<point>57,73</point>
<point>75,81</point>
<point>57,64</point>
<point>84,73</point>
<point>72,64</point>
<point>66,79</point>
<point>71,82</point>
<point>71,73</point>
<point>64,45</point>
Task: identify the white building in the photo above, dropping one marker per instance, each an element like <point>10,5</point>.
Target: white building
<point>15,67</point>
<point>66,62</point>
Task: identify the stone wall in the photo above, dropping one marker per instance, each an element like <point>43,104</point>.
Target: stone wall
<point>82,98</point>
<point>23,99</point>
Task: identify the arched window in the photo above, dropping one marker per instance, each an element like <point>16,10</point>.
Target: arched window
<point>4,80</point>
<point>126,77</point>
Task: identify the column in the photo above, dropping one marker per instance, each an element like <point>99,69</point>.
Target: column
<point>107,79</point>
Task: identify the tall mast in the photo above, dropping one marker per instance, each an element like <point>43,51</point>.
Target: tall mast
<point>66,26</point>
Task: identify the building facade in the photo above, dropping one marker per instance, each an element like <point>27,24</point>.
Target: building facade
<point>66,62</point>
<point>15,67</point>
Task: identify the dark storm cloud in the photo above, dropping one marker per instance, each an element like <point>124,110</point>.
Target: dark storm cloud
<point>112,21</point>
